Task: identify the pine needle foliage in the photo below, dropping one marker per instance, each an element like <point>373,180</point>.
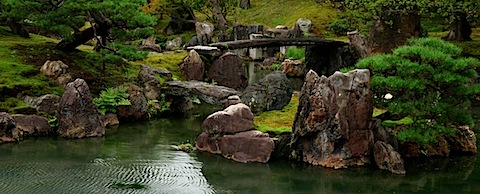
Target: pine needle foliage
<point>429,82</point>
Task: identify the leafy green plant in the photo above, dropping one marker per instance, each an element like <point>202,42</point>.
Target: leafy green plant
<point>156,107</point>
<point>429,83</point>
<point>340,27</point>
<point>110,98</point>
<point>52,121</point>
<point>295,53</point>
<point>276,66</point>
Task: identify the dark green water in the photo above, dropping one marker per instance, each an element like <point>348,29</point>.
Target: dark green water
<point>139,154</point>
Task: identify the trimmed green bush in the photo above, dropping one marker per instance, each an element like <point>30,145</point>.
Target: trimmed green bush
<point>295,53</point>
<point>429,83</point>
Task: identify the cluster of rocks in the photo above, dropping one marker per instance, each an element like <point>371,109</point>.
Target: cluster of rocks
<point>231,134</point>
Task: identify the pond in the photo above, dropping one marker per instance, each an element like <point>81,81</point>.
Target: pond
<point>136,158</point>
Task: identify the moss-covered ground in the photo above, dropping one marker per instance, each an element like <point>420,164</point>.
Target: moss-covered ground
<point>277,121</point>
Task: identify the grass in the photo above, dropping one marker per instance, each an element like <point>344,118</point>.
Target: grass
<point>277,121</point>
<point>286,12</point>
<point>168,62</point>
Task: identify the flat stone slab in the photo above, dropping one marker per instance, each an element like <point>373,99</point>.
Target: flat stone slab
<point>204,91</point>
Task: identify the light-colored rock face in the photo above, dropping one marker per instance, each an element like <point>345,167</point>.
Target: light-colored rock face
<point>47,103</point>
<point>293,68</point>
<point>304,24</point>
<point>204,28</point>
<point>57,72</point>
<point>176,43</point>
<point>77,116</point>
<point>235,118</point>
<point>331,127</point>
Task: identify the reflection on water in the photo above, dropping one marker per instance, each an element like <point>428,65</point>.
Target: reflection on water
<point>139,154</point>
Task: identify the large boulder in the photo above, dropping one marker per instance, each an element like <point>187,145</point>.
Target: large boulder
<point>32,125</point>
<point>331,127</point>
<point>247,146</point>
<point>47,103</point>
<point>230,133</point>
<point>138,109</point>
<point>228,71</point>
<point>193,68</point>
<point>8,131</point>
<point>204,31</point>
<point>387,158</point>
<point>174,44</point>
<point>463,142</point>
<point>148,79</point>
<point>235,118</point>
<point>77,116</point>
<point>56,71</point>
<point>273,92</point>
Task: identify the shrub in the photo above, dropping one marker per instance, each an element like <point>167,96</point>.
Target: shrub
<point>110,98</point>
<point>429,82</point>
<point>340,27</point>
<point>295,53</point>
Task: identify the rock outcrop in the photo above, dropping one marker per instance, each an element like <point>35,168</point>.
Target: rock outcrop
<point>47,103</point>
<point>230,133</point>
<point>331,127</point>
<point>31,125</point>
<point>138,109</point>
<point>57,72</point>
<point>8,131</point>
<point>193,68</point>
<point>148,79</point>
<point>228,71</point>
<point>387,158</point>
<point>149,44</point>
<point>77,116</point>
<point>273,92</point>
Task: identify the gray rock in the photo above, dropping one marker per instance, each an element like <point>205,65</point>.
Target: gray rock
<point>294,68</point>
<point>77,116</point>
<point>149,44</point>
<point>148,79</point>
<point>387,158</point>
<point>331,127</point>
<point>8,130</point>
<point>47,103</point>
<point>206,92</point>
<point>305,25</point>
<point>174,44</point>
<point>270,93</point>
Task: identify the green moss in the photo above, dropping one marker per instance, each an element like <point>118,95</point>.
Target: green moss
<point>277,121</point>
<point>273,13</point>
<point>168,61</point>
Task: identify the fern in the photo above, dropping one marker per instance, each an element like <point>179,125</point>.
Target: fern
<point>111,98</point>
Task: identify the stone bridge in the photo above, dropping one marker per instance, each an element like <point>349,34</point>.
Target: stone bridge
<point>324,56</point>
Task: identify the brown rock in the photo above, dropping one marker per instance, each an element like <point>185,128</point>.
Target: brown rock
<point>248,146</point>
<point>235,118</point>
<point>138,110</point>
<point>148,79</point>
<point>110,119</point>
<point>331,127</point>
<point>8,131</point>
<point>387,158</point>
<point>228,71</point>
<point>57,72</point>
<point>293,68</point>
<point>77,116</point>
<point>32,125</point>
<point>435,149</point>
<point>193,68</point>
<point>463,142</point>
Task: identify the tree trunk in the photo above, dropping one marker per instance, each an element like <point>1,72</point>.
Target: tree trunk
<point>183,19</point>
<point>100,28</point>
<point>18,28</point>
<point>222,23</point>
<point>460,29</point>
